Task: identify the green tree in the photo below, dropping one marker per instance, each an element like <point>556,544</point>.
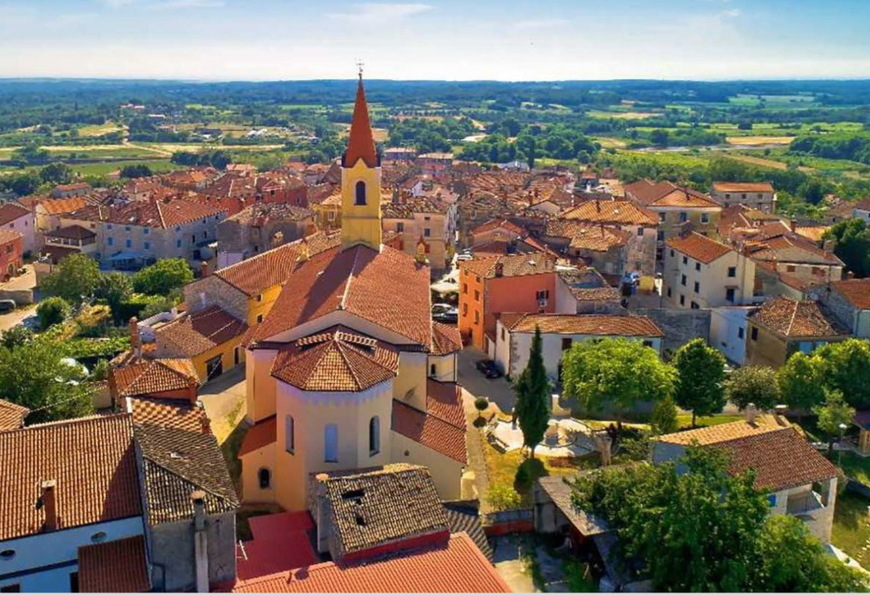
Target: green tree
<point>51,311</point>
<point>114,288</point>
<point>138,170</point>
<point>753,385</point>
<point>846,367</point>
<point>533,390</point>
<point>802,382</point>
<point>834,416</point>
<point>700,379</point>
<point>659,137</point>
<point>664,417</point>
<point>162,277</point>
<point>16,336</point>
<point>30,154</point>
<point>75,279</point>
<point>56,173</point>
<point>615,372</point>
<point>852,244</point>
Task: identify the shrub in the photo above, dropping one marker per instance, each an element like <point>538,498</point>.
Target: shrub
<point>481,403</point>
<point>52,311</point>
<point>502,497</point>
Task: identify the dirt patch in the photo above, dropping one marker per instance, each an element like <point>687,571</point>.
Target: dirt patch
<point>759,140</point>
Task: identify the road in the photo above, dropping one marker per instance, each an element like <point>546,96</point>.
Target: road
<point>9,320</point>
<point>497,390</point>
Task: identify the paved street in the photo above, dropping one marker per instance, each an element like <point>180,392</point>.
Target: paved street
<point>224,401</point>
<point>497,390</point>
<point>11,319</point>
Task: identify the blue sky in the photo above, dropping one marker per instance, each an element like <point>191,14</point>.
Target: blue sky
<point>433,39</point>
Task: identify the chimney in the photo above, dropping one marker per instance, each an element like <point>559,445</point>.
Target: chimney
<point>277,239</point>
<point>321,517</point>
<point>192,386</point>
<point>48,501</point>
<point>200,540</point>
<point>203,269</point>
<point>204,420</point>
<point>751,413</point>
<point>304,250</point>
<point>598,206</point>
<point>793,225</point>
<point>499,269</point>
<point>135,340</point>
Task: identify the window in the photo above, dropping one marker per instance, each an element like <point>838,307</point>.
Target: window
<point>694,305</point>
<point>682,300</point>
<point>360,193</point>
<point>128,243</point>
<point>705,218</point>
<point>465,288</point>
<point>331,216</point>
<point>427,232</point>
<point>503,334</point>
<point>669,292</point>
<point>732,271</point>
<point>205,234</point>
<point>790,268</point>
<point>640,231</point>
<point>330,443</point>
<point>477,295</point>
<point>661,217</point>
<point>259,318</point>
<point>771,500</point>
<point>126,228</point>
<point>697,287</point>
<point>259,297</point>
<point>697,266</point>
<point>740,333</point>
<point>375,435</point>
<point>754,334</point>
<point>290,434</point>
<point>684,216</point>
<point>660,236</point>
<point>464,310</point>
<point>727,195</point>
<point>729,294</point>
<point>476,317</point>
<point>433,370</point>
<point>685,260</point>
<point>743,196</point>
<point>683,279</point>
<point>542,294</point>
<point>178,243</point>
<point>147,245</point>
<point>566,343</point>
<point>108,226</point>
<point>264,477</point>
<point>672,252</point>
<point>647,343</point>
<point>400,227</point>
<point>110,241</point>
<point>146,231</point>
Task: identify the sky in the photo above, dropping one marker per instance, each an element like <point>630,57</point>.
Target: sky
<point>430,39</point>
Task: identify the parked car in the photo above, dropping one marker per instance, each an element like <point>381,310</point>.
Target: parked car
<point>464,256</point>
<point>450,317</point>
<point>488,368</point>
<point>7,305</point>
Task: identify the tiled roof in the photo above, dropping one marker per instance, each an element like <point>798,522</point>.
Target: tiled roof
<point>93,462</point>
<point>257,274</point>
<point>791,248</point>
<point>7,236</point>
<point>74,232</point>
<point>429,430</point>
<point>262,213</point>
<point>621,325</point>
<point>374,508</point>
<point>587,236</point>
<point>147,377</point>
<point>699,247</point>
<point>668,194</point>
<point>513,265</point>
<point>9,212</point>
<point>792,318</point>
<point>444,401</point>
<point>119,566</point>
<point>445,339</point>
<point>458,568</point>
<point>60,206</point>
<point>495,224</point>
<point>560,490</point>
<point>178,462</point>
<point>262,434</point>
<point>198,332</point>
<point>720,433</point>
<point>607,294</point>
<point>463,517</point>
<point>406,208</point>
<point>336,359</point>
<point>174,413</point>
<point>855,291</point>
<point>387,288</point>
<point>11,415</point>
<point>743,187</point>
<point>811,233</point>
<point>613,213</point>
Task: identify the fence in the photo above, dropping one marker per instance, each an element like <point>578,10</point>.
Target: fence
<point>512,521</point>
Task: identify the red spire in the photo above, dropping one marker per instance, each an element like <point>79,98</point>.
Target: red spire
<point>361,143</point>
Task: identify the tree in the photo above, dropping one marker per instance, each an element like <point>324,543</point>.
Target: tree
<point>846,367</point>
<point>615,372</point>
<point>114,288</point>
<point>75,279</point>
<point>16,336</point>
<point>801,381</point>
<point>852,244</point>
<point>700,379</point>
<point>753,385</point>
<point>52,311</point>
<point>659,137</point>
<point>30,154</point>
<point>834,416</point>
<point>56,173</point>
<point>664,417</point>
<point>162,277</point>
<point>136,171</point>
<point>533,389</point>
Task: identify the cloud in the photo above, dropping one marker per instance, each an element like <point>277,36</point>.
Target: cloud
<point>163,4</point>
<point>731,14</point>
<point>535,24</point>
<point>375,12</point>
<point>117,3</point>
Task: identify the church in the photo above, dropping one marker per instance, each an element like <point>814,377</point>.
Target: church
<point>348,370</point>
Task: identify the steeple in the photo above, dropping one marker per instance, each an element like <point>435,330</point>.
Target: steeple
<point>361,142</point>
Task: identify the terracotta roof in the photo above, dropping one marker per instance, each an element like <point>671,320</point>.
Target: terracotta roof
<point>791,248</point>
<point>11,415</point>
<point>336,359</point>
<point>743,187</point>
<point>560,489</point>
<point>458,568</point>
<point>377,507</point>
<point>271,268</point>
<point>622,325</point>
<point>119,566</point>
<point>795,319</point>
<point>587,236</point>
<point>444,401</point>
<point>174,413</point>
<point>445,339</point>
<point>60,206</point>
<point>160,214</point>
<point>429,430</point>
<point>198,332</point>
<point>93,462</point>
<point>146,377</point>
<point>9,212</point>
<point>613,213</point>
<point>360,142</point>
<point>721,433</point>
<point>7,236</point>
<point>855,291</point>
<point>74,232</point>
<point>262,434</point>
<point>513,265</point>
<point>699,247</point>
<point>495,224</point>
<point>464,517</point>
<point>811,233</point>
<point>607,294</point>
<point>387,288</point>
<point>667,194</point>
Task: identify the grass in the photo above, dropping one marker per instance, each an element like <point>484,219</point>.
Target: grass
<point>102,169</point>
<point>854,466</point>
<point>579,576</point>
<point>685,420</point>
<point>851,532</point>
<point>759,140</point>
<point>96,130</point>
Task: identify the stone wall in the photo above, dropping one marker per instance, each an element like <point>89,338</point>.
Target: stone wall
<point>205,292</point>
<point>679,325</point>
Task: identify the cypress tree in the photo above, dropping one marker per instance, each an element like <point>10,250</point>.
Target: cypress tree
<point>532,390</point>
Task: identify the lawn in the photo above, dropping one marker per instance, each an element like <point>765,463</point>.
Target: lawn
<point>851,532</point>
<point>685,420</point>
<point>103,168</point>
<point>853,465</point>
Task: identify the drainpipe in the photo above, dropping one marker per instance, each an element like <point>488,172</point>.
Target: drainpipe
<point>200,540</point>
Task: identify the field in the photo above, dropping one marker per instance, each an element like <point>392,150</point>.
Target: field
<point>759,140</point>
<point>621,115</point>
<point>104,168</point>
<point>98,130</point>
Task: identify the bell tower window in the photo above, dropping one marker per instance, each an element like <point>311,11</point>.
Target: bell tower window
<point>360,193</point>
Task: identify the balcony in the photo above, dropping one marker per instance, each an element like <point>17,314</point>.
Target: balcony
<point>804,503</point>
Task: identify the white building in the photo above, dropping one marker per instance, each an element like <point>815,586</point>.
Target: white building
<point>728,329</point>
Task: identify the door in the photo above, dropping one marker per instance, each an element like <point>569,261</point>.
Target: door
<point>214,367</point>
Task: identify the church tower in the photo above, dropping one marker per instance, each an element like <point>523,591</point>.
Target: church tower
<point>361,180</point>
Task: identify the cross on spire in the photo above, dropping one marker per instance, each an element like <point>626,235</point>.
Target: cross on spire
<point>359,65</point>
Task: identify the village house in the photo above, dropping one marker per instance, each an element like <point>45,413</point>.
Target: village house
<point>434,163</point>
<point>47,214</point>
<point>74,189</point>
<point>782,326</point>
<point>429,221</point>
<point>791,255</point>
<point>861,210</point>
<point>757,195</point>
<point>236,191</point>
<point>497,230</point>
<point>17,218</point>
<point>515,331</point>
<point>702,273</point>
<point>73,239</point>
<point>849,301</point>
<point>399,154</point>
<point>800,481</point>
<point>728,325</point>
<point>585,291</point>
<point>11,254</point>
<point>603,247</point>
<point>259,228</point>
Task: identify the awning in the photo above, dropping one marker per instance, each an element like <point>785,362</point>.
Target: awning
<point>127,256</point>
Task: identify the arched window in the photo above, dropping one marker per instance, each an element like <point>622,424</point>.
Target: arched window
<point>265,478</point>
<point>330,443</point>
<point>360,196</point>
<point>289,434</point>
<point>433,370</point>
<point>374,435</point>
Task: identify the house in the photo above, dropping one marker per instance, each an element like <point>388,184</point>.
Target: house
<point>503,230</point>
<point>11,254</point>
<point>423,220</point>
<point>728,325</point>
<point>515,331</point>
<point>782,326</point>
<point>399,154</point>
<point>67,240</point>
<point>11,415</point>
<point>339,373</point>
<point>47,213</point>
<point>17,218</point>
<point>260,227</point>
<point>757,195</point>
<point>861,210</point>
<point>798,258</point>
<point>849,301</point>
<point>800,481</point>
<point>585,291</point>
<point>506,283</point>
<point>157,378</point>
<point>327,210</point>
<point>75,189</point>
<point>603,247</point>
<point>703,273</point>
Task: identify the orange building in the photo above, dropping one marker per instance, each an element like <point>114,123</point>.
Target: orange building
<point>504,283</point>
